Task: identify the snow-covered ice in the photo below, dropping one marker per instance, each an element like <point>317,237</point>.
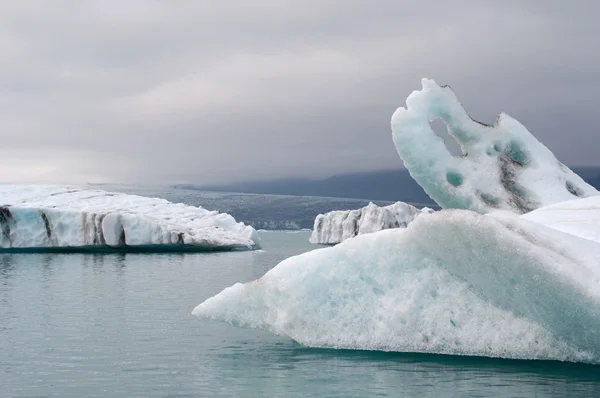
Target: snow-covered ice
<point>502,166</point>
<point>580,217</point>
<point>337,226</point>
<point>38,217</point>
<point>454,282</point>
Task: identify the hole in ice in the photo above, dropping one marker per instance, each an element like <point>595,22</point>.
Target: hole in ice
<point>454,178</point>
<point>441,130</point>
<point>495,149</point>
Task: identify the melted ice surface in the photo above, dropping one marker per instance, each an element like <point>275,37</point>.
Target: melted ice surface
<point>453,282</point>
<point>59,217</point>
<point>337,226</point>
<point>502,167</point>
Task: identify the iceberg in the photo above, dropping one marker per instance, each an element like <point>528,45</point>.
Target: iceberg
<point>337,226</point>
<point>502,166</point>
<point>51,218</point>
<point>510,270</point>
<point>453,282</point>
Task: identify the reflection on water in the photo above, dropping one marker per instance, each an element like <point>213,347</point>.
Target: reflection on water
<point>119,325</point>
<point>6,267</point>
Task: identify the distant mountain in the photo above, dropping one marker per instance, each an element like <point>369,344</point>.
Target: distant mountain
<point>388,185</point>
<point>262,211</point>
<point>590,174</point>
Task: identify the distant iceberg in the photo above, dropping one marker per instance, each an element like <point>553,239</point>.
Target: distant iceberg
<point>46,217</point>
<point>337,226</point>
<point>454,282</point>
<point>503,166</point>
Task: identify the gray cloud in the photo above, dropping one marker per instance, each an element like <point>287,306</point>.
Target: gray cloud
<point>202,91</point>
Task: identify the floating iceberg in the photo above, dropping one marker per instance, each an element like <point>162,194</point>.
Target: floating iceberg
<point>339,225</point>
<point>44,217</point>
<point>454,282</point>
<point>503,166</point>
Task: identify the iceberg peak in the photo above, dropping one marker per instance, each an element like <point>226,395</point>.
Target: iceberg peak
<point>502,167</point>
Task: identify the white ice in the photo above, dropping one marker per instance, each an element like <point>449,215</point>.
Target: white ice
<point>503,166</point>
<point>580,217</point>
<point>453,282</point>
<point>337,226</point>
<point>37,217</point>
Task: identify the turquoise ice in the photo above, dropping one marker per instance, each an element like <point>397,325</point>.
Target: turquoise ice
<point>502,166</point>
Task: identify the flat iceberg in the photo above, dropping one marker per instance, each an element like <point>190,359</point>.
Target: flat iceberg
<point>339,225</point>
<point>47,217</point>
<point>502,166</point>
<point>454,282</point>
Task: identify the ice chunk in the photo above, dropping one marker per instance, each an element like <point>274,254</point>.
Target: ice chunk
<point>339,225</point>
<point>503,166</point>
<point>454,282</point>
<point>38,217</point>
<point>580,217</point>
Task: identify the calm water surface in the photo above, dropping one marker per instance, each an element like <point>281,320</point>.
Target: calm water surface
<point>85,325</point>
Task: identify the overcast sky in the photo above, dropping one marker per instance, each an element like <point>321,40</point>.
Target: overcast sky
<point>212,91</point>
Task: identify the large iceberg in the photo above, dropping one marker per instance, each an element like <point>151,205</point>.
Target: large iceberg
<point>46,217</point>
<point>452,282</point>
<point>502,166</point>
<point>339,225</point>
<point>459,282</point>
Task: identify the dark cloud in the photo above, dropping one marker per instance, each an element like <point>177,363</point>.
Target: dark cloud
<point>202,91</point>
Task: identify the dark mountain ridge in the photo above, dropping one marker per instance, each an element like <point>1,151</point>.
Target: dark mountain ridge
<point>388,185</point>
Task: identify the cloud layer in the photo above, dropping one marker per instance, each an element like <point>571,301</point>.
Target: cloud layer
<point>152,91</point>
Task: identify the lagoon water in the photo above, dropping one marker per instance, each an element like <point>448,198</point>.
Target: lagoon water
<point>120,325</point>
